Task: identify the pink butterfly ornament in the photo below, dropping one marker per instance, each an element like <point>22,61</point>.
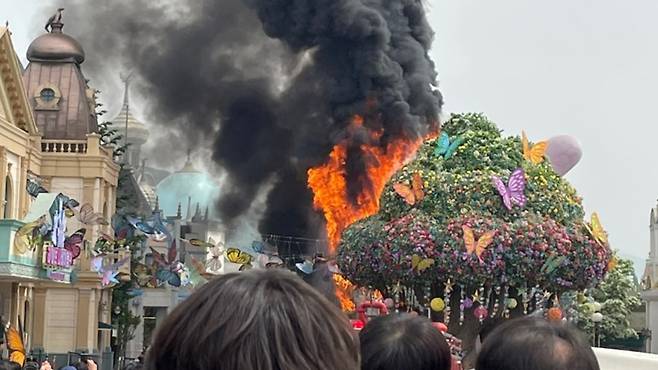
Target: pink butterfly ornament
<point>97,264</point>
<point>110,277</point>
<point>514,192</point>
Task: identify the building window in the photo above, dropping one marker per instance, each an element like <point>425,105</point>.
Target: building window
<point>47,95</point>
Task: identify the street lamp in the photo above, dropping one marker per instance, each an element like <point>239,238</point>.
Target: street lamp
<point>597,318</point>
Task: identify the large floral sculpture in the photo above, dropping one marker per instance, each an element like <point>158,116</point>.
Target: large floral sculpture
<point>478,225</point>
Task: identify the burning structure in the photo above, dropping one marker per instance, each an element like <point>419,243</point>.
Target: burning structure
<point>316,102</point>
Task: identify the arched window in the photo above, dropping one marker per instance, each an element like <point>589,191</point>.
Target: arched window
<point>7,202</point>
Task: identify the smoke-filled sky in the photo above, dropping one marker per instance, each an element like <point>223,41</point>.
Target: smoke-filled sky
<point>581,68</point>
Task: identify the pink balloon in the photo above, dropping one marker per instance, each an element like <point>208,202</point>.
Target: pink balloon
<point>564,153</point>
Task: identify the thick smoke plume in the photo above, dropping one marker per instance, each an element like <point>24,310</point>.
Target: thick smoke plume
<point>270,85</point>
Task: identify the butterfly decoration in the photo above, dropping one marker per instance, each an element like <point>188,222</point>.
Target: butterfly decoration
<point>552,263</point>
<point>413,194</point>
<point>596,230</point>
<point>88,217</point>
<point>109,273</point>
<point>26,236</point>
<point>15,346</point>
<point>67,205</point>
<point>34,188</point>
<point>534,153</point>
<point>200,243</point>
<point>168,267</point>
<point>333,267</point>
<point>446,148</point>
<point>242,258</point>
<point>214,260</point>
<point>274,262</point>
<point>154,229</point>
<point>477,247</point>
<point>514,192</point>
<point>96,263</point>
<point>258,247</point>
<point>193,270</point>
<point>74,242</point>
<point>307,267</point>
<point>144,278</point>
<point>420,264</point>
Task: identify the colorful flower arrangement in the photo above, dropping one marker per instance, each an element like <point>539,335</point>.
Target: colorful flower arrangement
<point>445,225</point>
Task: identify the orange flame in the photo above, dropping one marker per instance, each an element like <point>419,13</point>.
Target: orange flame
<point>330,187</point>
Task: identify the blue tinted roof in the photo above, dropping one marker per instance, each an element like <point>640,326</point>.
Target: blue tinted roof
<point>178,187</point>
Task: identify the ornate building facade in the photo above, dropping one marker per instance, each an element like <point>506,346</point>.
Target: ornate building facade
<point>48,133</point>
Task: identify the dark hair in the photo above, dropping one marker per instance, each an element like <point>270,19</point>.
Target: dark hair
<point>259,319</point>
<point>538,344</point>
<point>403,341</point>
<point>489,325</point>
<point>134,366</point>
<point>9,365</point>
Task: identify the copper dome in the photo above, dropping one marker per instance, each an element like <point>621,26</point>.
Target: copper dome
<point>56,47</point>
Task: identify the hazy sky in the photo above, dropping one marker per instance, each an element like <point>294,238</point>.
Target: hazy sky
<point>585,68</point>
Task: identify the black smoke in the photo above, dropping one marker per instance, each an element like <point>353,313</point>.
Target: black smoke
<point>270,85</point>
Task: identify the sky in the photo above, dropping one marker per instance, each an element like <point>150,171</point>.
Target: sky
<point>585,68</point>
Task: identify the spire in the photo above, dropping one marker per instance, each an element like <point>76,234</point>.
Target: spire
<point>205,216</point>
<point>126,78</point>
<point>178,211</point>
<point>189,167</point>
<point>189,208</point>
<point>197,214</point>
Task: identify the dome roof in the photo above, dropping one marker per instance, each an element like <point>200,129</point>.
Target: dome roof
<point>55,47</point>
<point>187,184</point>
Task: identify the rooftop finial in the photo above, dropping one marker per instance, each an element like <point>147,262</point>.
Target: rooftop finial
<point>126,78</point>
<point>55,22</point>
<point>179,212</point>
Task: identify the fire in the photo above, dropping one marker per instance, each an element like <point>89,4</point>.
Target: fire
<point>330,195</point>
<point>344,290</point>
<point>330,187</point>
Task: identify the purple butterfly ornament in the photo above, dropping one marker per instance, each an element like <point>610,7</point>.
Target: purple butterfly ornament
<point>514,192</point>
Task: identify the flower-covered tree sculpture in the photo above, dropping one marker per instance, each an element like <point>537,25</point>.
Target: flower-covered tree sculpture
<point>479,225</point>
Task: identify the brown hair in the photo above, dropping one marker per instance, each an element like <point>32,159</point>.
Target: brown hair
<point>259,319</point>
<point>538,344</point>
<point>403,341</point>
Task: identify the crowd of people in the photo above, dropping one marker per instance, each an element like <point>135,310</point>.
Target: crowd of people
<point>272,320</point>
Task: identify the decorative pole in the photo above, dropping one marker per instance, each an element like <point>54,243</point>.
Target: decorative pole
<point>126,80</point>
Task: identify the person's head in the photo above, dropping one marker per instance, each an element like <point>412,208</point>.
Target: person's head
<point>134,366</point>
<point>9,365</point>
<point>403,341</point>
<point>259,319</point>
<point>535,343</point>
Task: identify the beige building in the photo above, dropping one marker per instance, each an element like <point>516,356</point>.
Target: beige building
<point>48,132</point>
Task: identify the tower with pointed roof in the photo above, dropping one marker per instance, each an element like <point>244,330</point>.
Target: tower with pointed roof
<point>650,283</point>
<point>134,132</point>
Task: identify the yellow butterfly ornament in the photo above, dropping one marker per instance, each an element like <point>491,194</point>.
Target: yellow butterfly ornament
<point>243,259</point>
<point>534,153</point>
<point>420,264</point>
<point>477,247</point>
<point>596,230</point>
